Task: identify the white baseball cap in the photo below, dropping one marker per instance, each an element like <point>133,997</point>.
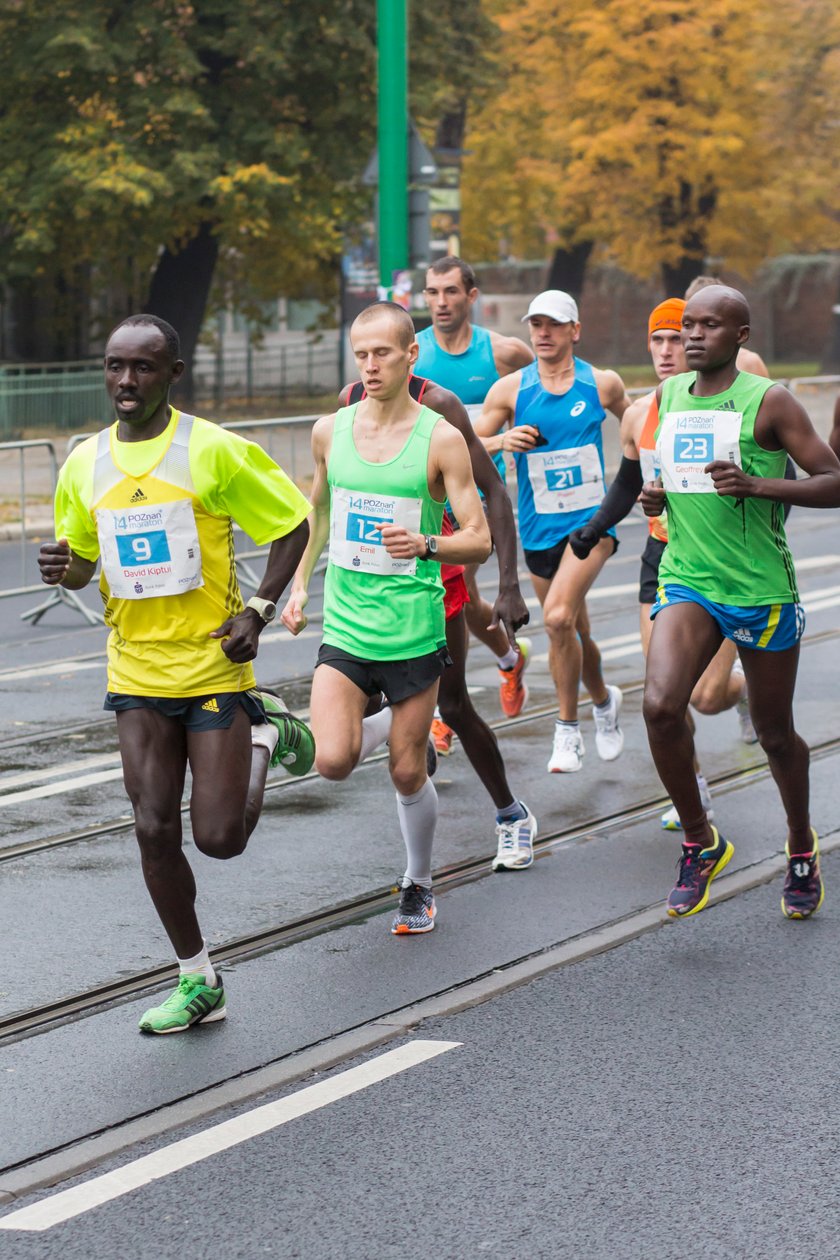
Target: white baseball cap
<point>556,304</point>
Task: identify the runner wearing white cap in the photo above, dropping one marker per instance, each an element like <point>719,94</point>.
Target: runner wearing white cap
<point>549,416</point>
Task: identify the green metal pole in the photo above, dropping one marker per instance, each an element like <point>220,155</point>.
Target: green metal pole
<point>392,52</point>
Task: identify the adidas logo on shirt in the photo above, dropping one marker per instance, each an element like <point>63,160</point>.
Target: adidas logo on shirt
<point>210,705</point>
<point>138,496</point>
<point>727,406</point>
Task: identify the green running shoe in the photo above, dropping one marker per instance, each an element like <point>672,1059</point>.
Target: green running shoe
<point>193,1002</point>
<point>295,749</point>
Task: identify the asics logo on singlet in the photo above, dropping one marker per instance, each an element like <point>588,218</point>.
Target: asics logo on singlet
<point>578,408</point>
<point>138,496</point>
<point>727,406</point>
<point>742,635</point>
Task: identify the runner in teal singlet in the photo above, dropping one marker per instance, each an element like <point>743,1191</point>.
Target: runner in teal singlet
<point>467,359</point>
<point>721,444</point>
<point>383,469</point>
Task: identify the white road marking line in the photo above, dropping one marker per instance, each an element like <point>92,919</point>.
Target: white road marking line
<point>66,767</point>
<point>45,671</point>
<point>65,785</point>
<point>221,1137</point>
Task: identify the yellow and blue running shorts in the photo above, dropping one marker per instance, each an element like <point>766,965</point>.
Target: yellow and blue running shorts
<point>765,628</point>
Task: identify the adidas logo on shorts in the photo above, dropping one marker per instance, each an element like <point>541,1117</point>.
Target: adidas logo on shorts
<point>742,635</point>
<point>138,496</point>
<point>210,705</point>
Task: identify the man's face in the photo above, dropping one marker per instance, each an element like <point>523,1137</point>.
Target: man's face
<point>139,372</point>
<point>712,331</point>
<point>448,301</point>
<point>383,363</point>
<point>551,340</point>
<point>667,353</point>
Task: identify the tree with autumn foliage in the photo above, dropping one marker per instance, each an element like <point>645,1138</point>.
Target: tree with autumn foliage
<point>660,132</point>
<point>156,152</point>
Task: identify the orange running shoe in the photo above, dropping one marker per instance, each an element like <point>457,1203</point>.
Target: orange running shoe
<point>512,691</point>
<point>442,735</point>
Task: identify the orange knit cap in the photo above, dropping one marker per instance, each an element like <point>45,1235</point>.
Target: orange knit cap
<point>667,314</point>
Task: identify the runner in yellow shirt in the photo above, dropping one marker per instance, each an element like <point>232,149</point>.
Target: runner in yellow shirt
<point>155,497</point>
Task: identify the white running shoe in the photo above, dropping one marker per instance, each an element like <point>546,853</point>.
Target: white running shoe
<point>742,708</point>
<point>515,843</point>
<point>609,737</point>
<point>567,753</point>
<point>671,820</point>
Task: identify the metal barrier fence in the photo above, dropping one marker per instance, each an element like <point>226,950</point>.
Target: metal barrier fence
<point>51,395</point>
<point>281,437</point>
<point>270,371</point>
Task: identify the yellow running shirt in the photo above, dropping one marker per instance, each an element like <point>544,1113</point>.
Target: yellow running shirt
<point>160,514</point>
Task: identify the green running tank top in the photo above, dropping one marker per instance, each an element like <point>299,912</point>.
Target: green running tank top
<point>375,607</point>
<point>732,551</point>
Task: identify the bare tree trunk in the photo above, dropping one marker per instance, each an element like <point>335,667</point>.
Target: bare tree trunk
<point>567,270</point>
<point>179,293</point>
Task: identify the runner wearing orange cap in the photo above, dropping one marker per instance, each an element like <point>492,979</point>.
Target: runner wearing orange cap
<point>722,686</point>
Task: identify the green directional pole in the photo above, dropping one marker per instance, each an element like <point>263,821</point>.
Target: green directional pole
<point>392,51</point>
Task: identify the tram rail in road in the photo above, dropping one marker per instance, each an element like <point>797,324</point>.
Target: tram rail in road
<point>26,1023</point>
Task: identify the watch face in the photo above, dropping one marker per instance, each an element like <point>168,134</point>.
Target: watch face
<point>269,612</point>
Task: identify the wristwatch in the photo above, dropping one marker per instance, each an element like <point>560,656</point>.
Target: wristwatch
<point>431,547</point>
<point>264,607</point>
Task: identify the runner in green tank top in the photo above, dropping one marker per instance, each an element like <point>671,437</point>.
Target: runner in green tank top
<point>383,469</point>
<point>727,573</point>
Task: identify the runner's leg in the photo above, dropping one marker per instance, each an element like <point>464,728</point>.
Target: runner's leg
<point>771,677</point>
<point>337,707</point>
<point>684,639</point>
<point>154,757</point>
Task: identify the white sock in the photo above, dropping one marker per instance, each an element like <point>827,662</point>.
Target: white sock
<point>509,659</point>
<point>418,819</point>
<point>265,735</point>
<point>200,965</point>
<point>375,731</point>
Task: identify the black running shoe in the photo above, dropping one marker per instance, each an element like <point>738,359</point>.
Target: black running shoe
<point>416,911</point>
<point>698,867</point>
<point>803,892</point>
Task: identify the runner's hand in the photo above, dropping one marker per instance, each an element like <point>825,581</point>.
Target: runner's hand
<point>523,437</point>
<point>401,543</point>
<point>583,540</point>
<point>731,480</point>
<point>293,616</point>
<point>652,498</point>
<point>240,637</point>
<point>511,611</point>
<point>54,561</point>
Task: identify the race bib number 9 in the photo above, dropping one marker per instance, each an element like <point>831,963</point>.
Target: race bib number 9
<point>565,481</point>
<point>689,440</point>
<point>152,551</point>
<point>355,533</point>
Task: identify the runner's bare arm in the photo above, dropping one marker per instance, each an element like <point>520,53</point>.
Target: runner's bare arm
<point>292,616</point>
<point>61,566</point>
<point>240,634</point>
<point>783,423</point>
<point>493,425</point>
<point>834,435</point>
<point>632,423</point>
<point>510,353</point>
<point>612,392</point>
<point>450,476</point>
<point>509,607</point>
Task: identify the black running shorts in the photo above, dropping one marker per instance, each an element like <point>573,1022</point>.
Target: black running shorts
<point>196,713</point>
<point>397,680</point>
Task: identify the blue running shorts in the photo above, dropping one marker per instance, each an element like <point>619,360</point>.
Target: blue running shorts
<point>766,628</point>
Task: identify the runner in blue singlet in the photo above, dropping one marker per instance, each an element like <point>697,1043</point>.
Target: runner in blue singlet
<point>549,416</point>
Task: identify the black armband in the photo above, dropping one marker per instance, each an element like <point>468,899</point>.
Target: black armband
<point>620,497</point>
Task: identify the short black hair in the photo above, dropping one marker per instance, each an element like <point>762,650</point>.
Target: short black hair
<point>173,341</point>
<point>451,263</point>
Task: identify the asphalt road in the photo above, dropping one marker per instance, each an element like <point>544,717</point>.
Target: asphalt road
<point>657,1100</point>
